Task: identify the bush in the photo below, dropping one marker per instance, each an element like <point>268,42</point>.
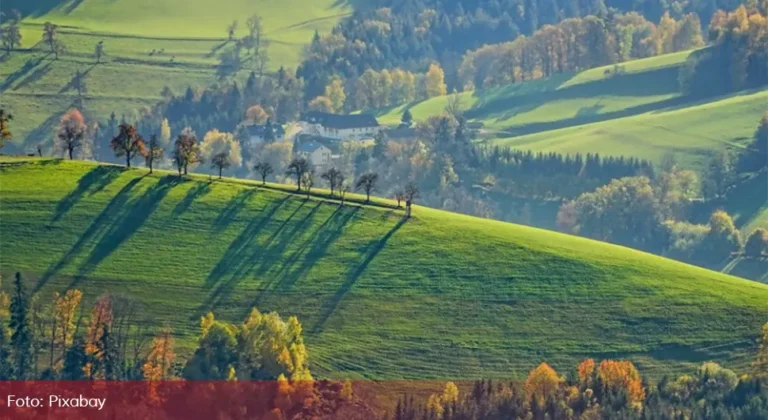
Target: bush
<point>757,243</point>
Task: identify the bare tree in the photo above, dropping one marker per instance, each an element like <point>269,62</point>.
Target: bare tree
<point>264,169</point>
<point>334,177</point>
<point>231,29</point>
<point>51,35</point>
<point>11,35</point>
<point>153,152</point>
<point>98,51</point>
<point>298,167</point>
<point>309,180</point>
<point>221,161</point>
<point>343,190</point>
<point>400,197</point>
<point>367,182</point>
<point>411,194</point>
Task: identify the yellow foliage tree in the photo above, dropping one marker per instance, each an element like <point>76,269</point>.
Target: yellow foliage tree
<point>256,114</point>
<point>100,320</point>
<point>436,81</point>
<point>64,310</point>
<point>542,382</point>
<point>216,142</point>
<point>620,374</point>
<point>335,92</point>
<point>585,371</point>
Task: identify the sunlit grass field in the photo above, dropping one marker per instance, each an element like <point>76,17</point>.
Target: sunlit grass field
<point>149,44</point>
<point>436,296</point>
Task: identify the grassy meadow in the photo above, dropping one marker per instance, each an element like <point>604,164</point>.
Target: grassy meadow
<point>635,111</point>
<point>437,296</point>
<point>174,43</point>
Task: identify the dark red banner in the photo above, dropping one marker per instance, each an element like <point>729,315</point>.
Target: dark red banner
<point>204,399</point>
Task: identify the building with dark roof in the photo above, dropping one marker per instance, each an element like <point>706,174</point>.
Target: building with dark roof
<point>317,153</point>
<point>334,126</point>
<point>257,132</point>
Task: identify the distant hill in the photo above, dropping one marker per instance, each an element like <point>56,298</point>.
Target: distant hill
<point>149,44</point>
<point>632,109</point>
<point>437,296</point>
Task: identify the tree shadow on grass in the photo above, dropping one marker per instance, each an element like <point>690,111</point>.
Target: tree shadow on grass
<point>125,225</point>
<point>21,72</point>
<point>195,192</point>
<point>323,237</point>
<point>94,181</point>
<point>372,250</point>
<point>232,209</point>
<point>101,223</point>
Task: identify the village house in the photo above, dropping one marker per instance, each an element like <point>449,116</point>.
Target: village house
<point>340,127</point>
<point>257,132</point>
<point>316,153</point>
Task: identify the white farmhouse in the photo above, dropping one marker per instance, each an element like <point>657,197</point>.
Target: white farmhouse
<point>316,153</point>
<point>341,127</point>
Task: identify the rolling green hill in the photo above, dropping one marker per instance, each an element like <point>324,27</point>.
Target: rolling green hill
<point>437,296</point>
<point>636,110</point>
<point>149,44</point>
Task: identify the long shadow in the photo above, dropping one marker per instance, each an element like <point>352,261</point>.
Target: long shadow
<point>71,85</point>
<point>323,237</point>
<point>34,76</point>
<point>252,260</point>
<point>130,220</point>
<point>195,192</point>
<point>21,72</point>
<point>231,210</point>
<point>372,250</point>
<point>216,49</point>
<point>94,181</point>
<point>99,224</point>
<point>235,254</point>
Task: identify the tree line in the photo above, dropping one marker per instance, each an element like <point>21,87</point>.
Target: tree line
<point>577,44</point>
<point>605,390</point>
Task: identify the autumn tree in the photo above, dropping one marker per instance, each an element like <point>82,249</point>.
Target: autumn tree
<point>622,375</point>
<point>71,131</point>
<point>5,130</point>
<point>216,355</point>
<point>22,337</point>
<point>334,91</point>
<point>153,152</point>
<point>586,372</point>
<point>256,114</point>
<point>186,151</point>
<point>64,311</point>
<point>367,182</point>
<point>128,143</point>
<point>165,133</point>
<point>322,104</point>
<point>541,383</point>
<point>723,237</point>
<point>159,361</point>
<point>334,177</point>
<point>297,168</point>
<point>264,169</point>
<point>100,321</point>
<point>436,81</point>
<point>221,145</point>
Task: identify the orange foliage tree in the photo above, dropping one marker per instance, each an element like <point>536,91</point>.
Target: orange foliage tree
<point>586,370</point>
<point>622,375</point>
<point>160,358</point>
<point>100,321</point>
<point>63,329</point>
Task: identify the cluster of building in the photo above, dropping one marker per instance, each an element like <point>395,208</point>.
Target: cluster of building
<point>320,133</point>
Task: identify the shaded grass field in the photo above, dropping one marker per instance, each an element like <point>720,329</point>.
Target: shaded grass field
<point>437,296</point>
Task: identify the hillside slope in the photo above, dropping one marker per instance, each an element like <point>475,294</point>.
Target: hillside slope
<point>174,43</point>
<point>633,109</point>
<point>437,296</point>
